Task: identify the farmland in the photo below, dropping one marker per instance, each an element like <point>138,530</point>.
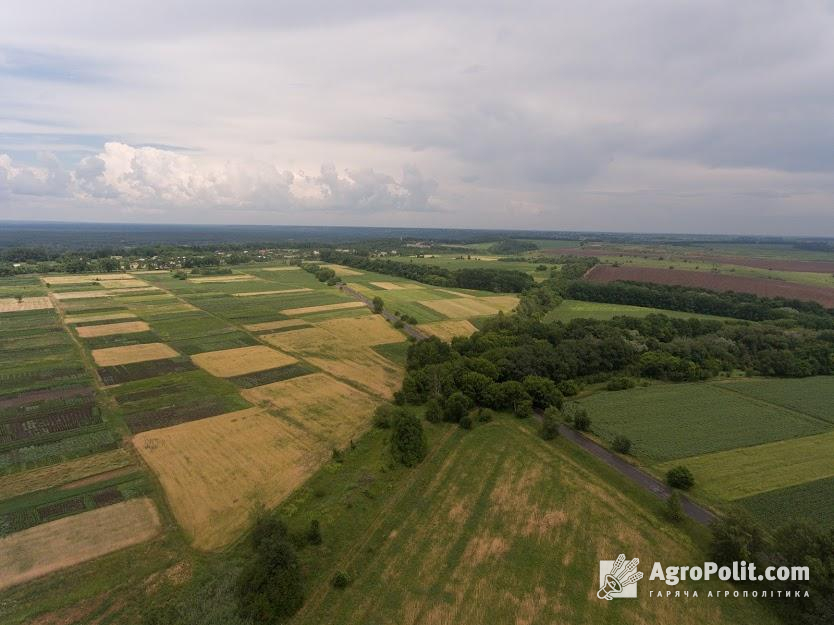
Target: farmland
<point>575,309</point>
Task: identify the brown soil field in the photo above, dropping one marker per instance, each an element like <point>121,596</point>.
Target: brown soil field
<point>341,270</point>
<point>330,411</point>
<point>127,354</point>
<point>275,325</point>
<point>256,293</point>
<point>109,329</point>
<point>467,307</point>
<point>306,310</point>
<point>237,277</point>
<point>228,363</point>
<point>714,282</point>
<point>57,545</point>
<point>63,473</point>
<point>776,264</point>
<point>397,286</point>
<point>104,317</point>
<point>447,330</point>
<point>10,304</point>
<point>217,470</point>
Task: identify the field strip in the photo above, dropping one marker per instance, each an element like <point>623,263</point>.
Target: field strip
<point>319,593</point>
<point>102,317</point>
<point>109,329</point>
<point>288,268</point>
<point>305,310</point>
<point>128,354</point>
<point>11,304</point>
<point>804,415</point>
<point>283,291</point>
<point>275,325</point>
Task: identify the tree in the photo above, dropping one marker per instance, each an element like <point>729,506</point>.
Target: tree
<point>736,537</point>
<point>680,477</point>
<point>340,579</point>
<point>543,391</point>
<point>465,422</point>
<point>408,441</point>
<point>385,414</point>
<point>581,421</point>
<point>434,411</point>
<point>621,444</point>
<point>550,423</point>
<point>270,587</point>
<point>523,409</point>
<point>314,532</point>
<point>379,304</point>
<point>456,407</point>
<point>674,508</point>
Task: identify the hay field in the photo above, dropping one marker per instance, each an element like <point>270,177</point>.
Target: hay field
<point>85,278</point>
<point>67,295</point>
<point>275,325</point>
<point>447,330</point>
<point>497,526</point>
<point>365,331</point>
<point>123,284</point>
<point>306,310</point>
<point>217,470</point>
<point>396,286</point>
<point>10,304</point>
<point>124,355</point>
<point>329,410</point>
<point>281,292</point>
<point>341,270</point>
<point>109,329</point>
<point>228,363</point>
<point>102,317</point>
<point>69,541</point>
<point>749,471</point>
<point>466,307</point>
<point>237,277</point>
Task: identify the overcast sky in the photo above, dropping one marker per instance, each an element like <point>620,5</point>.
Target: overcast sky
<point>651,115</point>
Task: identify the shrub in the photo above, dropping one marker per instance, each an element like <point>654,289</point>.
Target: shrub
<point>550,423</point>
<point>399,323</point>
<point>619,384</point>
<point>568,388</point>
<point>523,409</point>
<point>465,422</point>
<point>314,533</point>
<point>582,421</point>
<point>385,414</point>
<point>621,444</point>
<point>408,441</point>
<point>674,509</point>
<point>485,415</point>
<point>457,405</point>
<point>434,411</point>
<point>542,391</point>
<point>680,477</point>
<point>340,579</point>
<point>572,409</point>
<point>378,304</point>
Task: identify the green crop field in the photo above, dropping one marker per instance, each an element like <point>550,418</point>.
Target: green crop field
<point>670,421</point>
<point>812,396</point>
<point>571,309</point>
<point>812,502</point>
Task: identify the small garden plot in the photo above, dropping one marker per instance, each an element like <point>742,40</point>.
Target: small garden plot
<point>117,340</point>
<point>65,448</point>
<point>123,284</point>
<point>306,310</point>
<point>12,304</point>
<point>341,270</point>
<point>396,286</point>
<point>281,324</point>
<point>269,376</point>
<point>229,363</point>
<point>279,292</point>
<point>237,277</point>
<point>66,542</point>
<point>217,471</point>
<point>124,355</point>
<point>215,342</point>
<point>24,426</point>
<point>466,307</point>
<point>119,374</point>
<point>447,330</point>
<point>95,318</point>
<point>108,329</point>
<point>85,278</point>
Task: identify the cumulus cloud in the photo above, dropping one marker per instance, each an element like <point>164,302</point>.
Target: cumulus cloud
<point>153,178</point>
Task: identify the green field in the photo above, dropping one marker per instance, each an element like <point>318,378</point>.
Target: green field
<point>571,309</point>
<point>812,396</point>
<point>811,502</point>
<point>671,421</point>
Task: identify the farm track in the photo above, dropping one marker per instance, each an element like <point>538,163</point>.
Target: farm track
<point>320,592</point>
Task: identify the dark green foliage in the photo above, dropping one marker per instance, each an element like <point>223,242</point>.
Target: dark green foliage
<point>568,388</point>
<point>485,415</point>
<point>735,537</point>
<point>581,421</point>
<point>408,441</point>
<point>434,411</point>
<point>270,587</point>
<point>550,423</point>
<point>674,508</point>
<point>523,409</point>
<point>619,384</point>
<point>455,407</point>
<point>386,414</point>
<point>466,422</point>
<point>542,391</point>
<point>340,579</point>
<point>379,304</point>
<point>680,477</point>
<point>512,246</point>
<point>313,535</point>
<point>572,410</point>
<point>429,352</point>
<point>621,444</point>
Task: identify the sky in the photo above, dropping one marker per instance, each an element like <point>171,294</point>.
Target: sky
<point>640,116</point>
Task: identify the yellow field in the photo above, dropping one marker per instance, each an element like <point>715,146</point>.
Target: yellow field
<point>275,325</point>
<point>255,293</point>
<point>10,304</point>
<point>341,270</point>
<point>447,330</point>
<point>237,277</point>
<point>363,367</point>
<point>81,294</point>
<point>127,354</point>
<point>104,317</point>
<point>228,363</point>
<point>324,308</point>
<point>331,412</point>
<point>397,286</point>
<point>69,541</point>
<point>123,284</point>
<point>367,331</point>
<point>86,278</point>
<point>64,473</point>
<point>109,329</point>
<point>215,471</point>
<point>466,307</point>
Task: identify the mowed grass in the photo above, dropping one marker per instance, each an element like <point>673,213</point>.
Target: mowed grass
<point>748,471</point>
<point>812,502</point>
<point>495,526</point>
<point>670,421</point>
<point>812,396</point>
<point>571,309</point>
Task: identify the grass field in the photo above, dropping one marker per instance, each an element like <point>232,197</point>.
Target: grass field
<point>812,396</point>
<point>671,421</point>
<point>812,502</point>
<point>571,309</point>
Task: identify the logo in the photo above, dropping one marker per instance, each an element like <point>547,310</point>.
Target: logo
<point>617,579</point>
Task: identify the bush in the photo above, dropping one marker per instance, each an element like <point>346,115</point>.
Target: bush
<point>542,391</point>
<point>399,323</point>
<point>340,579</point>
<point>523,409</point>
<point>456,407</point>
<point>485,415</point>
<point>314,533</point>
<point>408,441</point>
<point>434,411</point>
<point>621,444</point>
<point>674,509</point>
<point>550,423</point>
<point>568,388</point>
<point>572,409</point>
<point>582,422</point>
<point>465,422</point>
<point>680,477</point>
<point>619,384</point>
<point>385,414</point>
<point>378,304</point>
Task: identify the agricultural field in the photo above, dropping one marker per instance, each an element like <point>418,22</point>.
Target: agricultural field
<point>447,330</point>
<point>571,309</point>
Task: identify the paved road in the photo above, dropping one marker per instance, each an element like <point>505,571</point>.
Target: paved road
<point>650,483</point>
<point>407,328</point>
